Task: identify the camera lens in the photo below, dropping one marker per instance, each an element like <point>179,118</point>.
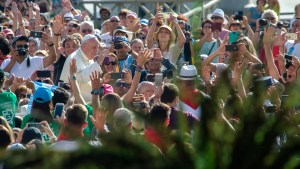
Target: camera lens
<point>263,22</point>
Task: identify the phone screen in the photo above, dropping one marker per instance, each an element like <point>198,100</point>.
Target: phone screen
<point>116,75</point>
<point>59,107</point>
<point>217,27</point>
<point>158,79</point>
<point>233,36</point>
<point>43,73</point>
<point>36,34</point>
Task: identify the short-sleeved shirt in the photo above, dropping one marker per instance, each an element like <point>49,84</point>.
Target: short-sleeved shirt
<point>21,69</point>
<point>8,106</point>
<point>208,48</point>
<point>125,64</point>
<point>58,67</point>
<point>254,14</point>
<point>106,38</point>
<point>292,48</point>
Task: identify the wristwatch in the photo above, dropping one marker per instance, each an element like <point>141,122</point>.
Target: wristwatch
<point>95,92</point>
<point>74,77</point>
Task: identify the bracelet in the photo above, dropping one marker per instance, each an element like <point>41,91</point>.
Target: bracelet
<point>74,77</point>
<point>56,34</point>
<point>138,69</point>
<point>52,44</point>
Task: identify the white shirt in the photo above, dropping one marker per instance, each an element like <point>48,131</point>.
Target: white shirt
<point>106,38</point>
<point>289,44</point>
<point>184,107</point>
<point>21,69</point>
<point>85,67</point>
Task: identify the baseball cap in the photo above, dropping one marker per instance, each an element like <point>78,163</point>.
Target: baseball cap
<point>144,22</point>
<point>120,39</point>
<point>130,13</point>
<point>108,89</point>
<point>122,117</point>
<point>8,32</point>
<point>42,95</point>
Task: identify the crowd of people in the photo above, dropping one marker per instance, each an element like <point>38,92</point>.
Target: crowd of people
<point>63,78</point>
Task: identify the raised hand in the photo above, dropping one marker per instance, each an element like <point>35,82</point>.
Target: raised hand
<point>36,7</point>
<point>67,5</point>
<point>96,80</point>
<point>127,76</point>
<point>46,39</point>
<point>57,25</point>
<point>205,74</point>
<point>98,119</point>
<point>14,7</point>
<point>268,35</point>
<point>73,67</point>
<point>143,57</point>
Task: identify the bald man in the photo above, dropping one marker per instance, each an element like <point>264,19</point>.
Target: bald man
<point>85,65</point>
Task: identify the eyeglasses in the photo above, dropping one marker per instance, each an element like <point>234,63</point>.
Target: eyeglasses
<point>156,60</point>
<point>24,96</point>
<point>22,46</point>
<point>122,84</point>
<point>114,21</point>
<point>73,25</point>
<point>142,37</point>
<point>206,27</point>
<point>86,30</point>
<point>216,17</point>
<point>235,24</point>
<point>111,63</point>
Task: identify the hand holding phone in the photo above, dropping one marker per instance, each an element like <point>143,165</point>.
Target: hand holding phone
<point>158,79</point>
<point>36,125</point>
<point>119,75</point>
<point>59,107</point>
<point>43,73</point>
<point>231,48</point>
<point>36,34</point>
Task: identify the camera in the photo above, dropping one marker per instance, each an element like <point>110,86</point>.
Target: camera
<point>22,51</point>
<point>231,48</point>
<point>263,22</point>
<point>288,57</point>
<point>288,64</point>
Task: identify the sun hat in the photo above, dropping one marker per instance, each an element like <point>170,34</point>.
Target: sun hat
<point>218,12</point>
<point>188,72</point>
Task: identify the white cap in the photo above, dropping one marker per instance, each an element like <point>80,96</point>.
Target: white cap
<point>69,15</point>
<point>88,37</point>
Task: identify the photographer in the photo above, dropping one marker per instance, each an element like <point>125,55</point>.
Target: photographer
<point>23,65</point>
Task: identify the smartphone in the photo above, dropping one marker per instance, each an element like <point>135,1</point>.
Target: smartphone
<point>231,48</point>
<point>288,57</point>
<point>275,51</point>
<point>59,107</point>
<point>43,73</point>
<point>217,26</point>
<point>150,77</point>
<point>259,66</point>
<point>116,75</point>
<point>158,80</point>
<point>36,34</point>
<point>233,36</point>
<point>238,15</point>
<point>291,36</point>
<point>36,125</point>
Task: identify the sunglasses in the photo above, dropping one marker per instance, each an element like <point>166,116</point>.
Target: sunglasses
<point>110,63</point>
<point>22,46</point>
<point>142,37</point>
<point>216,17</point>
<point>122,84</point>
<point>73,25</point>
<point>155,60</point>
<point>270,18</point>
<point>10,37</point>
<point>86,30</point>
<point>114,21</point>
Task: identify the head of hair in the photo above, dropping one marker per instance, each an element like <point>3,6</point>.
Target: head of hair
<point>78,36</point>
<point>172,37</point>
<point>41,111</point>
<point>206,21</point>
<point>158,115</point>
<point>122,118</point>
<point>170,92</point>
<point>123,12</point>
<point>250,47</point>
<point>116,59</point>
<point>4,46</point>
<point>109,104</point>
<point>20,89</point>
<point>89,23</point>
<point>269,12</point>
<point>142,85</point>
<point>6,137</point>
<point>69,38</point>
<point>60,95</point>
<point>105,9</point>
<point>76,115</point>
<point>136,41</point>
